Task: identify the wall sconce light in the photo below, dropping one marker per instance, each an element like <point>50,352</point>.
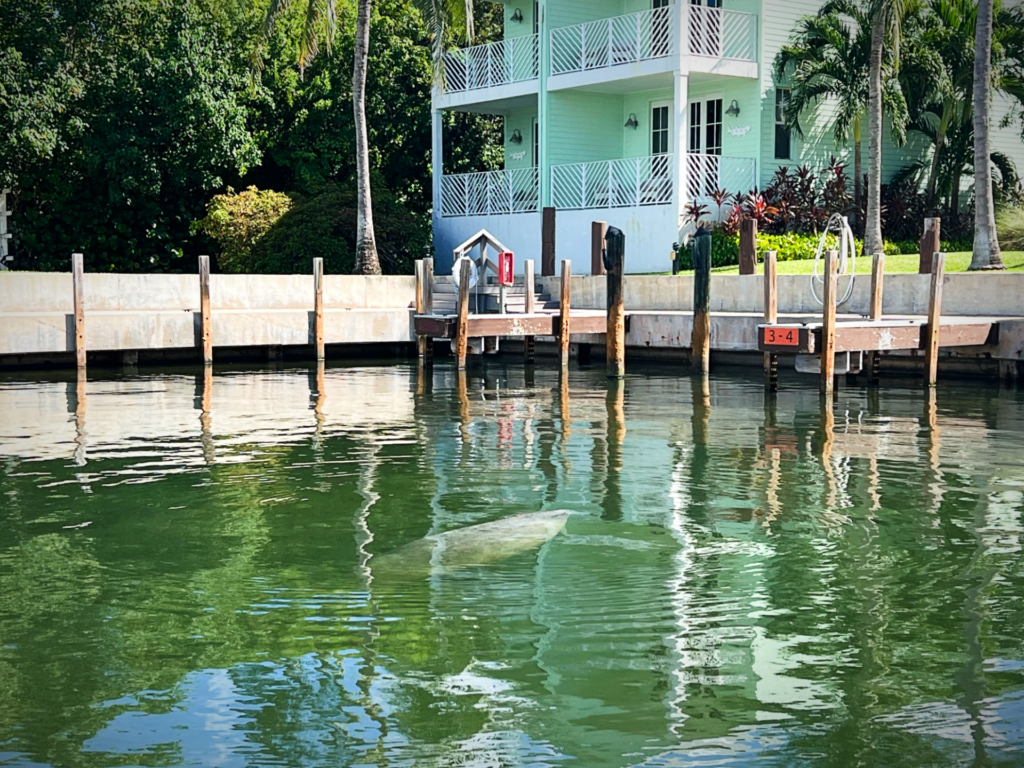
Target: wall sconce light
<point>632,124</point>
<point>516,137</point>
<point>517,17</point>
<point>734,109</point>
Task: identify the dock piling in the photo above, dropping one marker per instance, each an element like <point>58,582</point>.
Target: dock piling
<point>563,314</point>
<point>77,280</point>
<point>748,247</point>
<point>875,312</point>
<point>934,318</point>
<point>598,229</point>
<point>462,325</point>
<point>828,324</point>
<point>205,323</point>
<point>547,243</point>
<point>615,336</point>
<point>529,288</point>
<point>318,307</point>
<point>700,340</point>
<point>771,316</point>
<point>930,244</point>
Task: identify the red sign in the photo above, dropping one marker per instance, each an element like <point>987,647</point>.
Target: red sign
<point>782,337</point>
<point>506,273</point>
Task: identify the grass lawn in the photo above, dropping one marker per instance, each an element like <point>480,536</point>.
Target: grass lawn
<point>955,262</point>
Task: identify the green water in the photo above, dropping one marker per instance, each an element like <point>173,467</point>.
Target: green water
<point>226,572</point>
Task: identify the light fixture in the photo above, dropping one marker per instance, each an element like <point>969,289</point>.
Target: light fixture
<point>734,109</point>
<point>516,137</point>
<point>517,17</point>
<point>632,124</point>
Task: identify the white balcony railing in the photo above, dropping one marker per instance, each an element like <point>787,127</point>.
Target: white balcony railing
<point>494,192</point>
<point>707,173</point>
<point>722,34</point>
<point>513,60</point>
<point>613,183</point>
<point>608,42</point>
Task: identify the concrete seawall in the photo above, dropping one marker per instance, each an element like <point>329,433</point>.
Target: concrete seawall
<point>161,312</point>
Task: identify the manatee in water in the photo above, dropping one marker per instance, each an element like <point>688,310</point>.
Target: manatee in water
<point>476,544</point>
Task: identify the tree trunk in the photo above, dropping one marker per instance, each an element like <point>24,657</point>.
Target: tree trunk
<point>986,243</point>
<point>940,141</point>
<point>367,262</point>
<point>858,173</point>
<point>873,215</point>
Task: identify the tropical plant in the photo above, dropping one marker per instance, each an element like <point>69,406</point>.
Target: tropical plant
<point>238,221</point>
<point>986,241</point>
<point>1010,225</point>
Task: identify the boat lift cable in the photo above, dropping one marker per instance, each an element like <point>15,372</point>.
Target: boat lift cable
<point>847,257</point>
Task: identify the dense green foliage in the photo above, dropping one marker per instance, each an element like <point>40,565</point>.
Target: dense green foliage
<point>1010,225</point>
<point>237,221</point>
<point>124,118</point>
<point>792,246</point>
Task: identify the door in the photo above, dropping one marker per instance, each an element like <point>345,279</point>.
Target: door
<point>704,147</point>
<point>706,28</point>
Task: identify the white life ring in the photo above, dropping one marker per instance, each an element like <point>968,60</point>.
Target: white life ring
<point>457,271</point>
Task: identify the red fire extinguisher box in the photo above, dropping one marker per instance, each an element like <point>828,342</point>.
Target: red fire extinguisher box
<point>506,268</point>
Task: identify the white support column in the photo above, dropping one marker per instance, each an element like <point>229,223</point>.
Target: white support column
<point>437,157</point>
<point>680,118</point>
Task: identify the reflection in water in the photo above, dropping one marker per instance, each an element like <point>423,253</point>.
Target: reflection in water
<point>357,574</point>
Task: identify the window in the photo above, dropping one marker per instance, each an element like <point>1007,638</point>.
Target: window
<point>695,124</point>
<point>659,129</point>
<point>713,127</point>
<point>536,17</point>
<point>782,131</point>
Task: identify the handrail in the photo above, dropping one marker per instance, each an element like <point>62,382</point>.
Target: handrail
<point>608,42</point>
<point>623,183</point>
<point>512,190</point>
<point>512,60</point>
<point>722,33</point>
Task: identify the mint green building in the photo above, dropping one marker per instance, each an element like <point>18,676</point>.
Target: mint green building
<point>625,111</point>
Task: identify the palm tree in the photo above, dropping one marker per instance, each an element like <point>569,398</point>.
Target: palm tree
<point>828,58</point>
<point>444,17</point>
<point>986,242</point>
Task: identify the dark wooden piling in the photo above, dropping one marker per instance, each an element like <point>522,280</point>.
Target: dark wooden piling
<point>564,309</point>
<point>700,339</point>
<point>205,321</point>
<point>930,244</point>
<point>529,342</point>
<point>77,285</point>
<point>598,229</point>
<point>771,316</point>
<point>615,337</point>
<point>934,318</point>
<point>462,327</point>
<point>318,307</point>
<point>828,324</point>
<point>748,247</point>
<point>547,243</point>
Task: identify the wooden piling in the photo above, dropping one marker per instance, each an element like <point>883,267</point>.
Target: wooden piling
<point>875,310</point>
<point>748,247</point>
<point>931,356</point>
<point>462,327</point>
<point>563,314</point>
<point>547,243</point>
<point>615,336</point>
<point>428,308</point>
<point>771,316</point>
<point>598,229</point>
<point>205,324</point>
<point>700,340</point>
<point>930,244</point>
<point>529,342</point>
<point>421,340</point>
<point>828,324</point>
<point>318,307</point>
<point>77,283</point>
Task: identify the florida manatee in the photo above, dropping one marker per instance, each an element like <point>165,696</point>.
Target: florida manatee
<point>476,544</point>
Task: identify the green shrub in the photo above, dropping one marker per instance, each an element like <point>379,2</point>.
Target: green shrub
<point>1010,229</point>
<point>237,222</point>
<point>913,247</point>
<point>325,226</point>
<point>725,248</point>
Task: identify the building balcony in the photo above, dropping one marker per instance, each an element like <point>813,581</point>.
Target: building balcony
<point>490,193</point>
<point>718,41</point>
<point>621,183</point>
<point>493,71</point>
